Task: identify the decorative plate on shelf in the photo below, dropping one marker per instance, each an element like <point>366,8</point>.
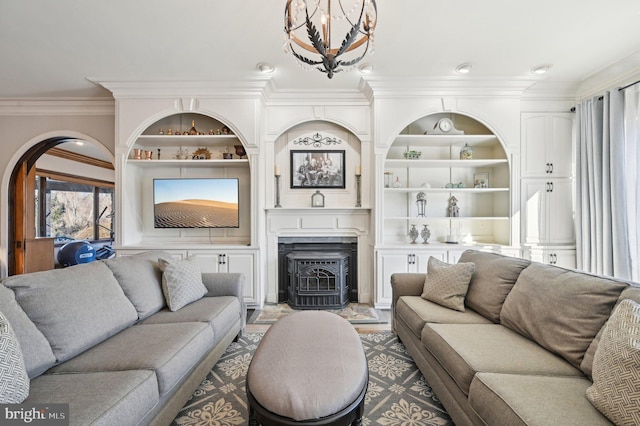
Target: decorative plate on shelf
<point>202,154</point>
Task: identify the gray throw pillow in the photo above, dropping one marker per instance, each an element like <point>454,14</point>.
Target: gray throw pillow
<point>447,284</point>
<point>181,281</point>
<point>616,367</point>
<point>14,380</point>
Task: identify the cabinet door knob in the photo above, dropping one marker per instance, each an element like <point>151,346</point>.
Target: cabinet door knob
<point>551,165</point>
<point>551,186</point>
<point>548,168</point>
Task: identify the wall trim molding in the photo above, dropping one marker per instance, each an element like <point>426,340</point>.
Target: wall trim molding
<point>62,106</point>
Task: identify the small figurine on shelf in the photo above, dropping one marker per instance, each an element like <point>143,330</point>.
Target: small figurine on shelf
<point>193,130</point>
<point>226,131</point>
<point>161,132</point>
<point>158,153</point>
<point>211,132</point>
<point>453,207</point>
<point>425,234</point>
<point>169,132</point>
<point>413,234</point>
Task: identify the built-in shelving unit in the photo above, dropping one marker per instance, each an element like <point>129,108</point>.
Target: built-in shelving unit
<point>438,171</point>
<point>183,156</point>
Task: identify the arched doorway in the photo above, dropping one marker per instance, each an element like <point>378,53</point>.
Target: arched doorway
<point>27,250</point>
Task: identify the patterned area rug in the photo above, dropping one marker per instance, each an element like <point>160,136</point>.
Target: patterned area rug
<point>355,313</point>
<point>398,395</point>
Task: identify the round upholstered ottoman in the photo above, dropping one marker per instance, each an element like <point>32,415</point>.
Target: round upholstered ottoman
<point>309,369</point>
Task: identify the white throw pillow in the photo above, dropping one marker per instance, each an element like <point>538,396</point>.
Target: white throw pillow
<point>616,367</point>
<point>14,380</point>
<point>447,284</point>
<point>181,282</point>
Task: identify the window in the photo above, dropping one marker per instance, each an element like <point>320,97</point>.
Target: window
<point>70,208</point>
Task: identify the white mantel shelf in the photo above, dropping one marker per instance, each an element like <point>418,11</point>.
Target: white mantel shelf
<point>320,210</point>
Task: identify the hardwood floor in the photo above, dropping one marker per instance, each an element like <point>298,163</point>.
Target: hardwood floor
<point>360,328</point>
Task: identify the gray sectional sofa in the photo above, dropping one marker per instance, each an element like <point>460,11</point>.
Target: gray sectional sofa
<point>522,352</point>
<point>100,337</point>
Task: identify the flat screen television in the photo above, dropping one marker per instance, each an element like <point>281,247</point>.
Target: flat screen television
<point>195,203</point>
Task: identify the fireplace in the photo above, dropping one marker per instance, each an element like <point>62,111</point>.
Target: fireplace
<point>317,280</point>
<point>317,272</point>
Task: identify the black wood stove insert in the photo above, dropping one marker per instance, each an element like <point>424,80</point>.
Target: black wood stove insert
<point>317,272</point>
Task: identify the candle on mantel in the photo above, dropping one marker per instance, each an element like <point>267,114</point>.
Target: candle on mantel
<point>358,170</point>
<point>276,170</point>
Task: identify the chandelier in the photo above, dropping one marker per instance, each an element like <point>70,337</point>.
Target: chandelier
<point>311,27</point>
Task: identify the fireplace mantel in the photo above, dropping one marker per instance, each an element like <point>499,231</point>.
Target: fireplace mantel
<point>320,222</point>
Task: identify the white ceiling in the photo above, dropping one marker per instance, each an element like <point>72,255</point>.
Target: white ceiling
<point>53,48</point>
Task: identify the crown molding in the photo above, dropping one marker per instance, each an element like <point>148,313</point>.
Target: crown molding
<point>468,87</point>
<point>56,106</point>
<point>254,87</point>
<point>617,75</point>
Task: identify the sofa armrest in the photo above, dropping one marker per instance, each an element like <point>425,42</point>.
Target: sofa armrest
<point>226,284</point>
<point>404,284</point>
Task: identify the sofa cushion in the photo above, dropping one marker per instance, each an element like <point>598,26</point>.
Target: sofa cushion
<point>99,399</point>
<point>416,312</point>
<point>633,293</point>
<point>171,350</point>
<point>141,280</point>
<point>14,380</point>
<point>36,350</point>
<point>466,349</point>
<point>221,313</point>
<point>520,400</point>
<point>616,367</point>
<point>559,309</point>
<point>76,307</point>
<point>492,281</point>
<point>447,284</point>
<point>181,281</point>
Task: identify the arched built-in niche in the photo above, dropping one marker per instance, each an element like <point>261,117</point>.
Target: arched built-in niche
<point>315,140</point>
<point>182,146</point>
<point>467,197</point>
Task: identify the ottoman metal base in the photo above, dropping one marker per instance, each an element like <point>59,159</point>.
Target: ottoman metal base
<point>351,415</point>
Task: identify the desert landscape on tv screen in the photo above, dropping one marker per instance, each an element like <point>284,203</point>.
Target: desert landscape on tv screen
<point>195,203</point>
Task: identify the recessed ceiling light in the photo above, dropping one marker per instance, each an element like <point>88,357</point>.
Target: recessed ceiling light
<point>541,69</point>
<point>366,68</point>
<point>265,68</point>
<point>464,68</point>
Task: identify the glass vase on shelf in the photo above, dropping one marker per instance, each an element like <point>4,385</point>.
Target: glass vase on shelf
<point>396,183</point>
<point>466,152</point>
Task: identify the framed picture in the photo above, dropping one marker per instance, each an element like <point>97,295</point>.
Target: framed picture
<point>481,180</point>
<point>317,169</point>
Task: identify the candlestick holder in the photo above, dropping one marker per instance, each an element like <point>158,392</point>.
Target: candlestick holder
<point>358,193</point>
<point>277,191</point>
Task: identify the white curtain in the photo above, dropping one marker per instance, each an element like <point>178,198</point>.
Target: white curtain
<point>607,202</point>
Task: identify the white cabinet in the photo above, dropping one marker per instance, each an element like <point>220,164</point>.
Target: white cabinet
<point>392,261</point>
<point>547,211</point>
<point>565,258</point>
<point>547,145</point>
<point>432,164</point>
<point>235,261</point>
